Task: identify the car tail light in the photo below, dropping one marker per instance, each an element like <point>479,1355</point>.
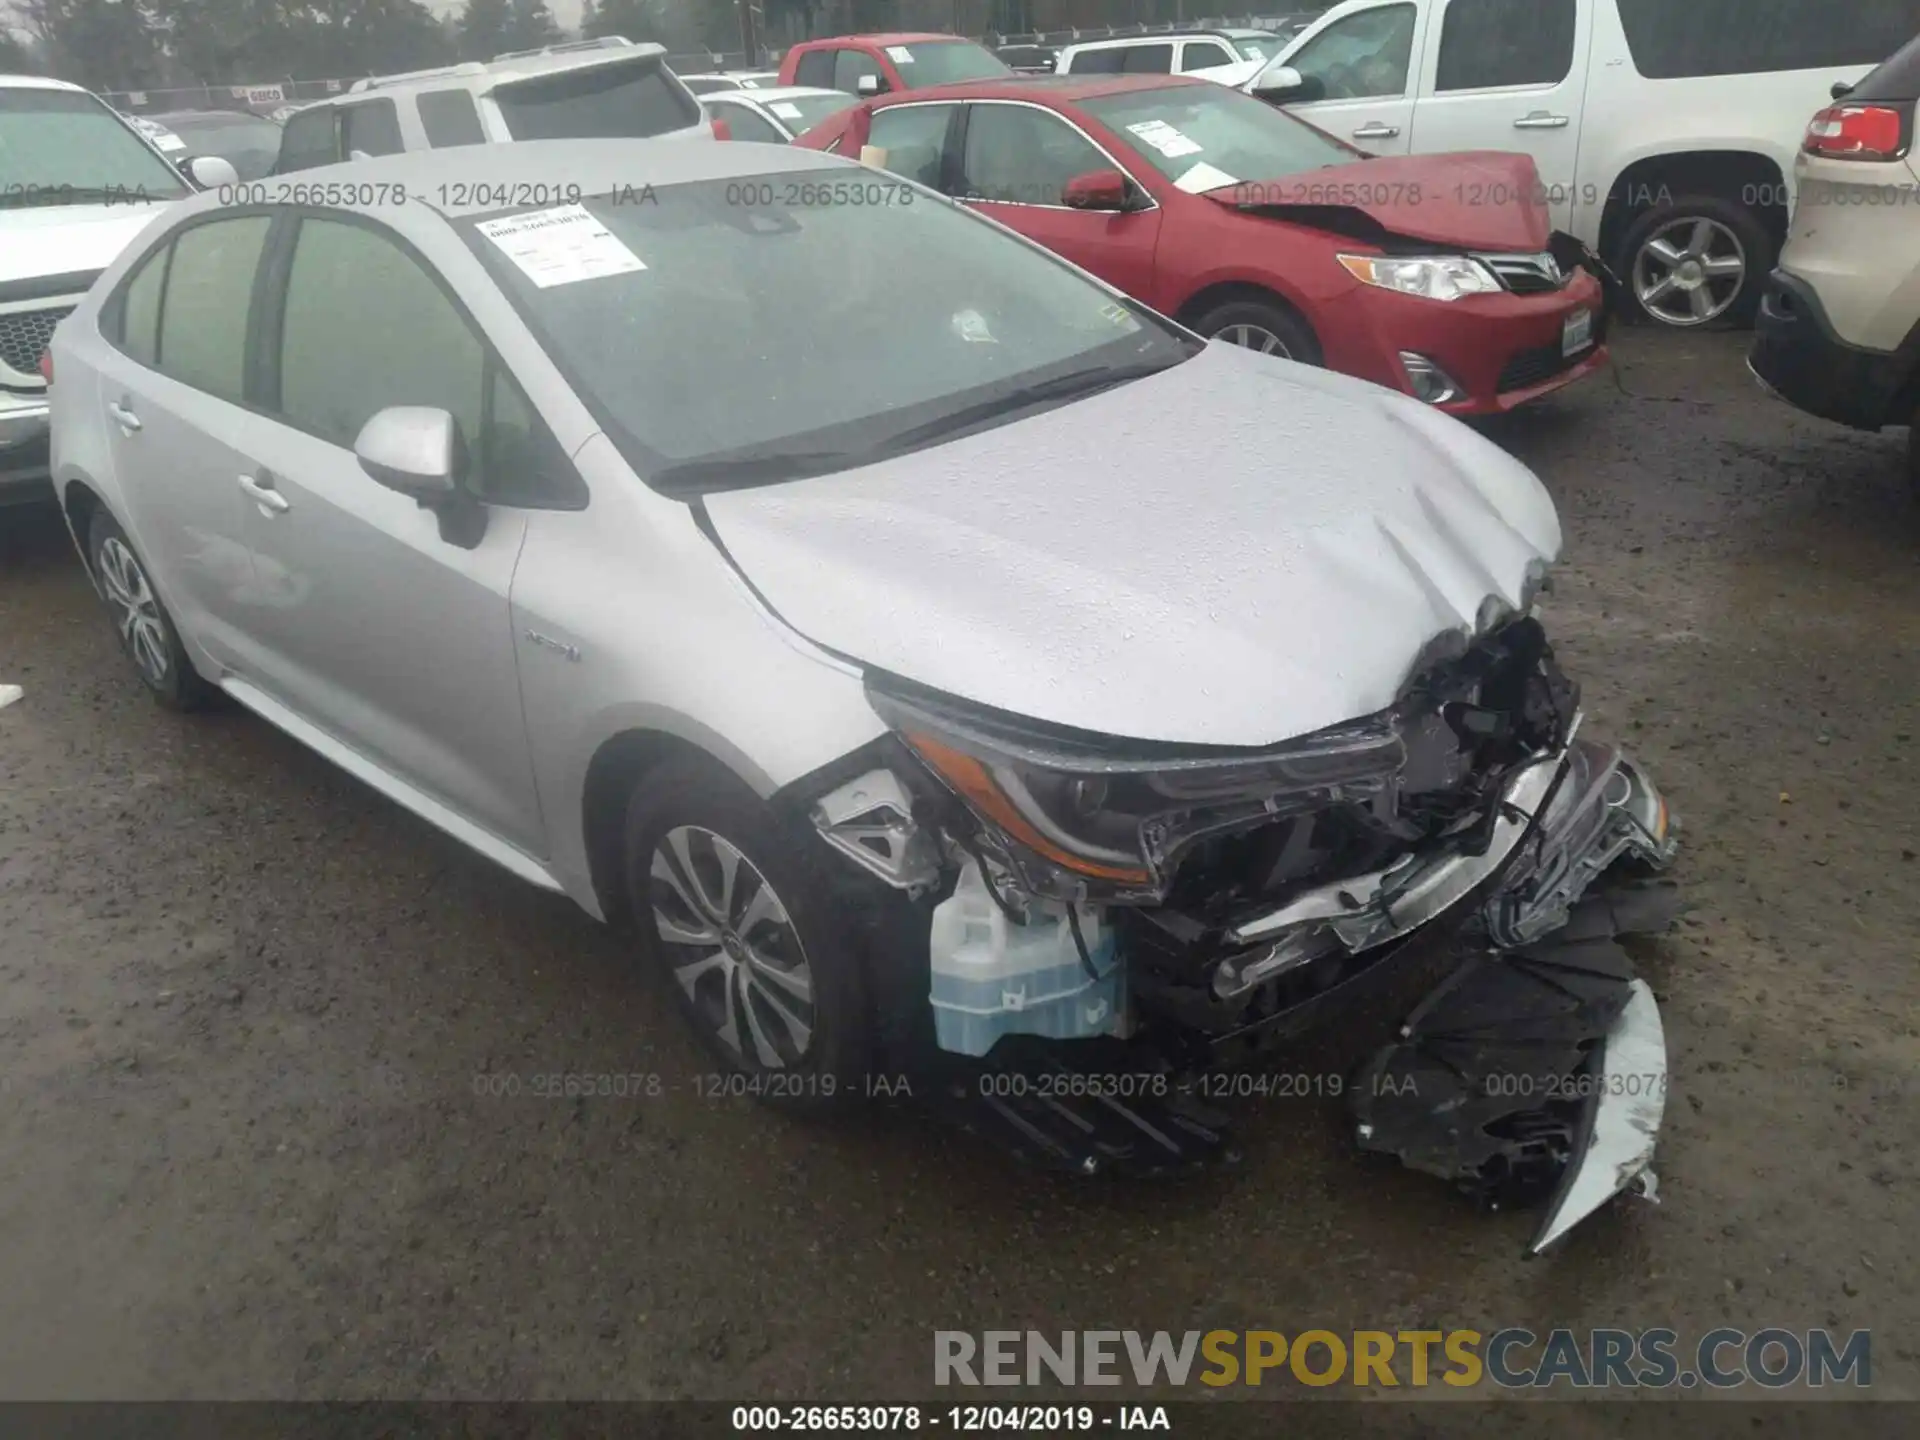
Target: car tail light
<point>1858,132</point>
<point>46,366</point>
<point>722,130</point>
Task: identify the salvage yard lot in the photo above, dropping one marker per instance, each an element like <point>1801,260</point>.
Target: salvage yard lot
<point>259,1026</point>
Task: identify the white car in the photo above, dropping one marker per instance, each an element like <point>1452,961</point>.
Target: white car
<point>78,181</point>
<point>1664,133</point>
<point>777,113</point>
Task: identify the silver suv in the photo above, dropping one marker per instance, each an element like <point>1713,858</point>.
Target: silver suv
<point>787,563</point>
<point>621,91</point>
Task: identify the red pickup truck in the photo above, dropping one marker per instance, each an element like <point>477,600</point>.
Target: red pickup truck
<point>877,64</point>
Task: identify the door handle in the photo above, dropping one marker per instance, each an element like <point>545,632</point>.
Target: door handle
<point>1374,130</point>
<point>122,416</point>
<point>1541,120</point>
<point>260,490</point>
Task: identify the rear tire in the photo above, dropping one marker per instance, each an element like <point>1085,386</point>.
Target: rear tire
<point>735,910</point>
<point>1267,327</point>
<point>148,636</point>
<point>1690,242</point>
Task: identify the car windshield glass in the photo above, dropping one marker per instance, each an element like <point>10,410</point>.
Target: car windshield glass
<point>757,329</point>
<point>1202,136</point>
<point>1259,47</point>
<point>596,102</point>
<point>63,147</point>
<point>935,62</point>
<point>250,145</point>
<point>810,110</point>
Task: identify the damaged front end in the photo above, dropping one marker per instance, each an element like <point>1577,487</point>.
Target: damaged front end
<point>1161,911</point>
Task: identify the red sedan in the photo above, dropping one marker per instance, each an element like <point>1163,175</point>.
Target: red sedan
<point>1435,275</point>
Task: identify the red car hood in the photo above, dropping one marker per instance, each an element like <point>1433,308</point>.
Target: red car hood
<point>1475,199</point>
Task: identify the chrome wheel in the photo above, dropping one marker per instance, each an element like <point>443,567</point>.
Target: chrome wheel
<point>1254,337</point>
<point>732,947</point>
<point>137,613</point>
<point>1690,271</point>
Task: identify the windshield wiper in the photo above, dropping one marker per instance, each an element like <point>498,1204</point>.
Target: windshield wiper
<point>720,473</point>
<point>1061,387</point>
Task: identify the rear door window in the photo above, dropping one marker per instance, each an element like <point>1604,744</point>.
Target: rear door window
<point>914,138</point>
<point>1110,61</point>
<point>308,140</point>
<point>1671,40</point>
<point>598,102</point>
<point>746,124</point>
<point>1149,59</point>
<point>450,118</point>
<point>140,309</point>
<point>1487,44</point>
<point>203,320</point>
<point>370,128</point>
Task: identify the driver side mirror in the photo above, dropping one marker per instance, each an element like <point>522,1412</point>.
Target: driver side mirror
<point>210,172</point>
<point>868,86</point>
<point>420,452</point>
<point>1284,85</point>
<point>1097,190</point>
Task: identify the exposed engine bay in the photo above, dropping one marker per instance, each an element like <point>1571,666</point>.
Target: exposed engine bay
<point>1111,906</point>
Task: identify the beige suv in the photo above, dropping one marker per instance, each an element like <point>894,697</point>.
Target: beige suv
<point>1838,333</point>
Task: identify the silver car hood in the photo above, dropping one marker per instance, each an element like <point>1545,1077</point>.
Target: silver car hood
<point>1234,552</point>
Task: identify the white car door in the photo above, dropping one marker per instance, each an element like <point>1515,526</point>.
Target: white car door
<point>1359,63</point>
<point>1509,75</point>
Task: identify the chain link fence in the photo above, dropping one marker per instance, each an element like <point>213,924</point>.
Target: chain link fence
<point>268,96</point>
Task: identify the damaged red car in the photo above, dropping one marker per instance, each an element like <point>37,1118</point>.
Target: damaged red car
<point>1437,275</point>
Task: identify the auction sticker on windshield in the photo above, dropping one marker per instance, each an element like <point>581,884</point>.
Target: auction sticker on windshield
<point>561,246</point>
<point>1164,138</point>
<point>785,109</point>
<point>901,55</point>
<point>1201,177</point>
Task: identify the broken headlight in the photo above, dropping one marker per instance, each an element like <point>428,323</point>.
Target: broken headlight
<point>1112,816</point>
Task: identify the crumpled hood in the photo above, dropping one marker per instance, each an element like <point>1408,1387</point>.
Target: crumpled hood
<point>1473,199</point>
<point>1234,552</point>
<point>69,239</point>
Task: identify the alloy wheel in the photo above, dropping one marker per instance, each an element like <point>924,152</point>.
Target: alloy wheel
<point>732,947</point>
<point>1254,337</point>
<point>137,612</point>
<point>1690,271</point>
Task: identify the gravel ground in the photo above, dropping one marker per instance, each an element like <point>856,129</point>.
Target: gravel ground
<point>250,1011</point>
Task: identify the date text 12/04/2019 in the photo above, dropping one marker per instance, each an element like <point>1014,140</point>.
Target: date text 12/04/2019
<point>959,1419</point>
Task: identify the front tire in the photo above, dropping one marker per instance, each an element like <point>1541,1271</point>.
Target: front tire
<point>1697,260</point>
<point>147,633</point>
<point>1264,326</point>
<point>734,909</point>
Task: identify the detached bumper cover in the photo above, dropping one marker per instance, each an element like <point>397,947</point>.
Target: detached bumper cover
<point>1539,1070</point>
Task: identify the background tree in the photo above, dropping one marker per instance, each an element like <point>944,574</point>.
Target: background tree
<point>484,26</point>
<point>530,24</point>
<point>102,44</point>
<point>16,56</point>
<point>637,20</point>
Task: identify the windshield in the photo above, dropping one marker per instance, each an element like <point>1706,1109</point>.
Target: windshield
<point>250,145</point>
<point>1202,136</point>
<point>759,329</point>
<point>1259,47</point>
<point>63,147</point>
<point>935,62</point>
<point>802,112</point>
<point>623,101</point>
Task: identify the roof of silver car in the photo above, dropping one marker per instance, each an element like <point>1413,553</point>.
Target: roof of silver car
<point>483,174</point>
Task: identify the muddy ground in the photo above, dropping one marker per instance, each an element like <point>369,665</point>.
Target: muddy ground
<point>244,1002</point>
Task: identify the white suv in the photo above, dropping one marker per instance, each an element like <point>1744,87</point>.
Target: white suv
<point>611,92</point>
<point>77,183</point>
<point>1838,333</point>
<point>1180,53</point>
<point>1664,132</point>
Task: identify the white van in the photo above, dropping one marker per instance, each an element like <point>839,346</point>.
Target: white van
<point>1664,130</point>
